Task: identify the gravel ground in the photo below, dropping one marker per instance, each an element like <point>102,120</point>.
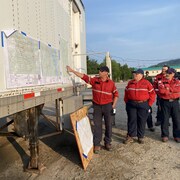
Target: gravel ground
<point>59,154</point>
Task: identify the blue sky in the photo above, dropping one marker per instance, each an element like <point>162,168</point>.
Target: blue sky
<point>139,33</point>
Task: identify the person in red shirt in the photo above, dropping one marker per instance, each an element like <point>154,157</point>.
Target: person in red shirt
<point>159,77</point>
<point>169,93</point>
<point>105,96</point>
<point>139,97</point>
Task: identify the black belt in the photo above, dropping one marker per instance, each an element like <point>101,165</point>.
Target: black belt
<point>170,100</point>
<point>138,101</point>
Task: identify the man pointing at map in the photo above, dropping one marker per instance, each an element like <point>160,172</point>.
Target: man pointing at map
<point>105,96</point>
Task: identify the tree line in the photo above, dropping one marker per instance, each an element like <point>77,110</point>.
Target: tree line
<point>119,72</point>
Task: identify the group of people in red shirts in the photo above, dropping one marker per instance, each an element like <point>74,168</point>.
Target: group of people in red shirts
<point>140,94</point>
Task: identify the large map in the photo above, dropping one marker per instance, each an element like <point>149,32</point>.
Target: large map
<point>50,64</point>
<point>30,62</point>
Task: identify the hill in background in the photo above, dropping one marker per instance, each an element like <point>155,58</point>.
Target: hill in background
<point>174,62</point>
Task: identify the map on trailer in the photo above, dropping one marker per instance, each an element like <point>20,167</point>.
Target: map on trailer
<point>30,62</point>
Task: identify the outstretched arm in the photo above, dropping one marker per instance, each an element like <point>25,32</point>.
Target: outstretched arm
<point>69,69</point>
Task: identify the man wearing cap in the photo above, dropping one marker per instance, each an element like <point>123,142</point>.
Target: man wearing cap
<point>149,78</point>
<point>159,77</point>
<point>139,97</point>
<point>169,92</point>
<point>105,96</point>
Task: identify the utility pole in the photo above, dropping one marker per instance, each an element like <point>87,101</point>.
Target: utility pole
<point>108,64</point>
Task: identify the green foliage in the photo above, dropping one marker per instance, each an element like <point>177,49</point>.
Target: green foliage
<point>118,72</point>
<point>92,66</point>
<point>126,72</point>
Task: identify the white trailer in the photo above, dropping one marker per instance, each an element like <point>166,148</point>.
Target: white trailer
<point>38,39</point>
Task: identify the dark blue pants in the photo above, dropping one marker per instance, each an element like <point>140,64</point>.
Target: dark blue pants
<point>170,109</point>
<point>149,119</point>
<point>159,116</point>
<point>101,111</point>
<point>137,116</point>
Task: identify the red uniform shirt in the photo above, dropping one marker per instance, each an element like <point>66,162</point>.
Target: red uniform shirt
<point>158,77</point>
<point>169,89</point>
<point>103,91</point>
<point>140,91</point>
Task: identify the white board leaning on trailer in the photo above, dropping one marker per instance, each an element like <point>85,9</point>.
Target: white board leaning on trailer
<point>85,135</point>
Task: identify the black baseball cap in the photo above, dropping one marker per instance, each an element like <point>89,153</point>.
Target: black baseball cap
<point>138,71</point>
<point>103,68</point>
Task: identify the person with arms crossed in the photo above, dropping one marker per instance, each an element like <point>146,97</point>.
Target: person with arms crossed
<point>105,96</point>
<point>139,97</point>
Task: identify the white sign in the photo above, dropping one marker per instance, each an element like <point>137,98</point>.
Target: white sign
<point>85,135</point>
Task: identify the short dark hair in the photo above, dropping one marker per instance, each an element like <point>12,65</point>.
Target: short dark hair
<point>165,65</point>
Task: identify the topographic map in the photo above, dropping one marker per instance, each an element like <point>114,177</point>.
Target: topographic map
<point>30,62</point>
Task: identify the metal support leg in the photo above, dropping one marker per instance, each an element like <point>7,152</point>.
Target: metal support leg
<point>20,123</point>
<point>34,163</point>
<point>59,114</point>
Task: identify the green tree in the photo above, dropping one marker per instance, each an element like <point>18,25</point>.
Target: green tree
<point>92,66</point>
<point>116,73</point>
<point>126,72</point>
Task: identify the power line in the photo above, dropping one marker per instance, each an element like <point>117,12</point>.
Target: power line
<point>98,57</point>
<point>125,60</point>
<point>91,52</point>
<point>132,59</point>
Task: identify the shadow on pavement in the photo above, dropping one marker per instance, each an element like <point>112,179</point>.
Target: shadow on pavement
<point>20,150</point>
<point>64,144</point>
